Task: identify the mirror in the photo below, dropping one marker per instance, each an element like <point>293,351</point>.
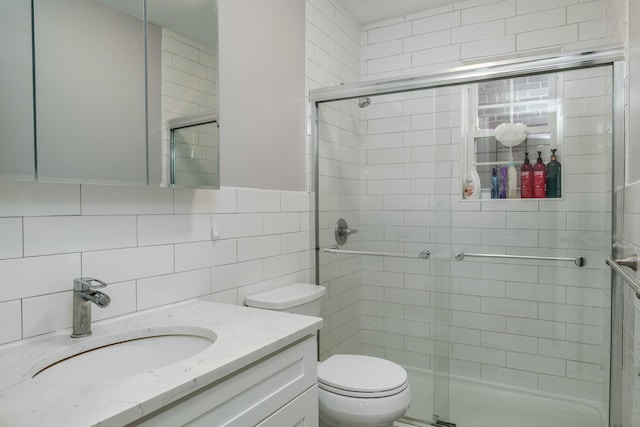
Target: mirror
<point>195,148</point>
<point>102,111</point>
<point>16,103</point>
<point>189,91</point>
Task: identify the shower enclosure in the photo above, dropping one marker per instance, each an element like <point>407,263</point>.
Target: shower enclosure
<point>499,309</point>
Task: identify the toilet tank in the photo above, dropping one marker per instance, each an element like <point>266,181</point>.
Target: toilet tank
<point>299,298</point>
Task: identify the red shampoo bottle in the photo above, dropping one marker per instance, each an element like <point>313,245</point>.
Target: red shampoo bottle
<point>539,178</point>
<point>526,178</point>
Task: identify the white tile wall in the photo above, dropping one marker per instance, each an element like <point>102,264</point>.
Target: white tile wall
<point>521,323</point>
<point>470,31</point>
<point>150,256</point>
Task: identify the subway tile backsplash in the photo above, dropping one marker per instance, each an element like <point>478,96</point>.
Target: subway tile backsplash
<point>152,245</point>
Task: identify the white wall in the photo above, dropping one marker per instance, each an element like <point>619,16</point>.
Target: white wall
<point>262,86</point>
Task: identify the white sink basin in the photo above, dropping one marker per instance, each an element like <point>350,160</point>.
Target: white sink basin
<point>103,358</point>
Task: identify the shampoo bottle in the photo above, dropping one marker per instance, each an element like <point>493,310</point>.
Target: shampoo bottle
<point>512,184</point>
<point>554,177</point>
<point>503,183</point>
<point>495,184</point>
<point>526,178</point>
<point>539,178</point>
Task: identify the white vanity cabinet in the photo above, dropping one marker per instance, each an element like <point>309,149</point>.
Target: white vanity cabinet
<point>278,390</point>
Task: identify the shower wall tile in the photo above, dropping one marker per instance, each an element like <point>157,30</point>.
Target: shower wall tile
<point>509,342</point>
<point>585,334</point>
<point>479,31</point>
<point>536,292</point>
<point>435,23</point>
<point>570,387</point>
<point>536,328</point>
<point>511,377</point>
<point>486,48</point>
<point>546,37</point>
<point>537,20</point>
<point>535,363</point>
<point>479,354</point>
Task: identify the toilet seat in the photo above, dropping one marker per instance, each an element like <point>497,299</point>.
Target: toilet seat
<point>351,375</point>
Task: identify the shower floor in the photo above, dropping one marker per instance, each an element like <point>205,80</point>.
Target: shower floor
<point>476,403</point>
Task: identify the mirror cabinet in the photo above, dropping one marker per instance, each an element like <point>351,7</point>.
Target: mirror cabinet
<point>90,96</point>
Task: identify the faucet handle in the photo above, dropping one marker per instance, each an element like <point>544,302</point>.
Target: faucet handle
<point>84,284</point>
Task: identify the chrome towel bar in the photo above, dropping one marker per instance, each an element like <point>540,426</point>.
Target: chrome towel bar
<point>632,263</point>
<point>422,255</point>
<point>579,261</point>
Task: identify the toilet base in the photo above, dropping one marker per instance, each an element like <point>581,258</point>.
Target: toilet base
<point>341,411</point>
<point>324,424</point>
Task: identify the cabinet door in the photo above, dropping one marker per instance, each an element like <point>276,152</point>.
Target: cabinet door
<point>301,412</point>
<point>16,101</point>
<point>90,93</point>
<point>248,397</point>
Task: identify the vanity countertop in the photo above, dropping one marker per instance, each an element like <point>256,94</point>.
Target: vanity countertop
<point>244,335</point>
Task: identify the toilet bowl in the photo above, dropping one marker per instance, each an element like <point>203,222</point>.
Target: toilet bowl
<point>353,390</point>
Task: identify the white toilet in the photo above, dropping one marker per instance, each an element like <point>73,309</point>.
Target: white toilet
<point>354,391</point>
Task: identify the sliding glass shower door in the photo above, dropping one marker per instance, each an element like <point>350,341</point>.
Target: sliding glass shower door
<point>508,317</point>
<point>385,166</point>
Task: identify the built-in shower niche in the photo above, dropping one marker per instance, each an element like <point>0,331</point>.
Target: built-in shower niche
<point>508,118</point>
<point>195,151</point>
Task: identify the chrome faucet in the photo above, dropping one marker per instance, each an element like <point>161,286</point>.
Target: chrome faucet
<point>85,292</point>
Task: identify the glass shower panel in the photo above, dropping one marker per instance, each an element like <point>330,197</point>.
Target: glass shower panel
<point>386,165</point>
<point>530,337</point>
<point>487,333</point>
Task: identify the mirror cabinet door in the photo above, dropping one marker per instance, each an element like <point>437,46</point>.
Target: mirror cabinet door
<point>189,92</point>
<point>17,161</point>
<point>101,107</point>
<point>90,92</point>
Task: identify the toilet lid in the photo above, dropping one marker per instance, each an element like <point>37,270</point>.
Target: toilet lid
<point>286,296</point>
<point>361,376</point>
